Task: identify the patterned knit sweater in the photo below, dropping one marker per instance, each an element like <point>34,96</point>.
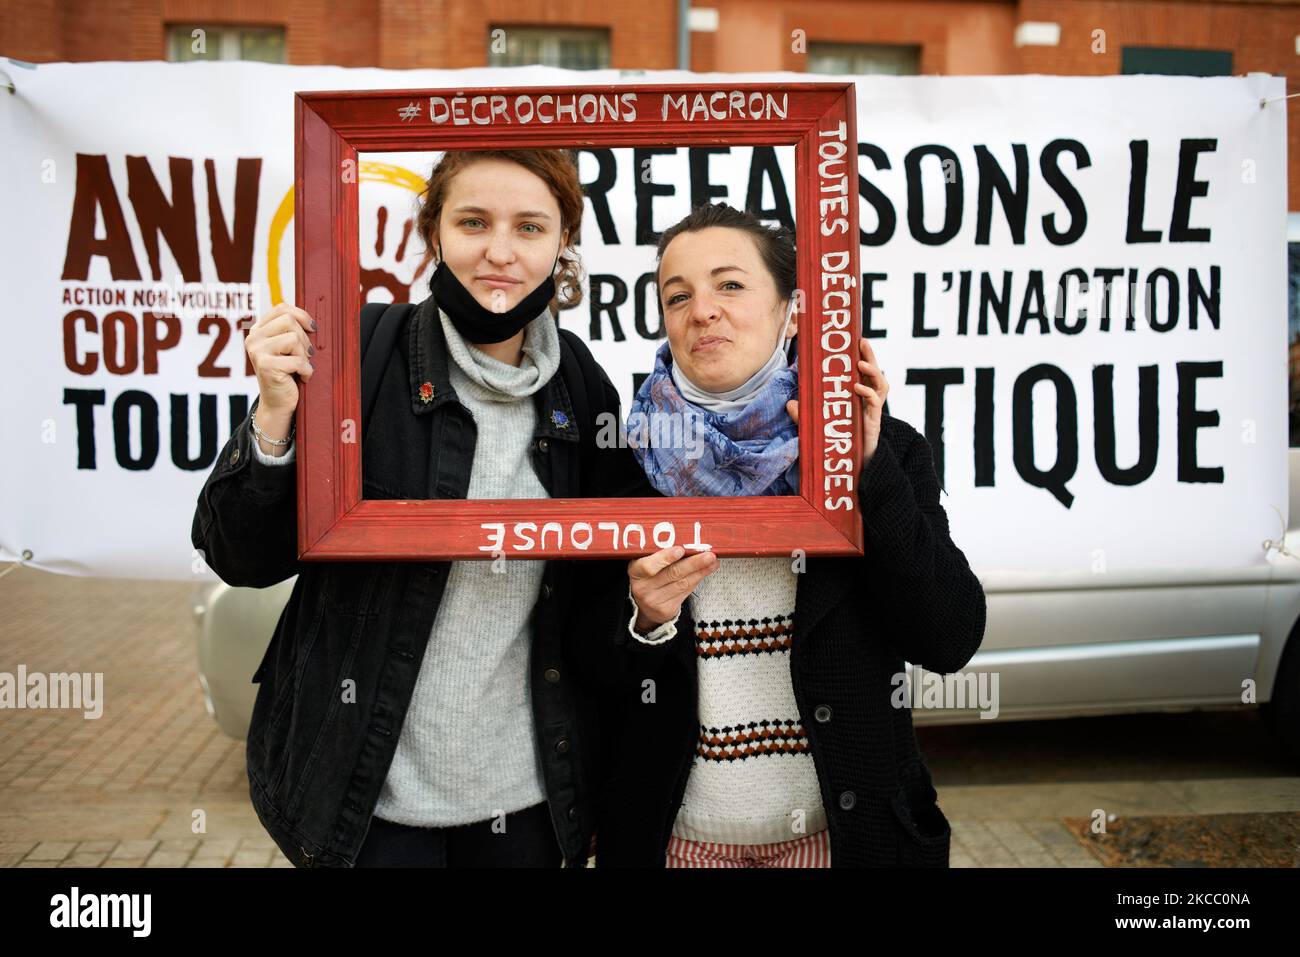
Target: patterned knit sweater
<point>753,779</point>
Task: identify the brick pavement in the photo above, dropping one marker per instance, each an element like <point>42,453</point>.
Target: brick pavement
<point>123,789</point>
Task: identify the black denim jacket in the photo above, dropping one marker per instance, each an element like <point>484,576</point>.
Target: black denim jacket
<point>316,760</point>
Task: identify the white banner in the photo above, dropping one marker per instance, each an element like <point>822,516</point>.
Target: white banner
<point>1077,289</point>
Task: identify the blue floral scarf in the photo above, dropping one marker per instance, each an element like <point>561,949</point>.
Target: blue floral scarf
<point>687,450</point>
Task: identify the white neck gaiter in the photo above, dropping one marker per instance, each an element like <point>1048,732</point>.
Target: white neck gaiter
<point>733,400</point>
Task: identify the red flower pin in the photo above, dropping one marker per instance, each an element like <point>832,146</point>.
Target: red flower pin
<point>426,392</point>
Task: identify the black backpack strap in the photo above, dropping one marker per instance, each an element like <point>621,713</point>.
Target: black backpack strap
<point>581,372</point>
<point>380,324</point>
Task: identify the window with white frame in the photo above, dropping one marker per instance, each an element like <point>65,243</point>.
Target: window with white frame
<point>572,48</point>
<point>860,59</point>
<point>197,41</point>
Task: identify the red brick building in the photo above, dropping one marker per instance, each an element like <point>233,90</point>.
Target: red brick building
<point>1082,37</point>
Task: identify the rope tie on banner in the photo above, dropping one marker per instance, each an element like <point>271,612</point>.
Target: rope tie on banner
<point>1280,544</point>
<point>27,557</point>
<point>22,64</point>
<point>1274,99</point>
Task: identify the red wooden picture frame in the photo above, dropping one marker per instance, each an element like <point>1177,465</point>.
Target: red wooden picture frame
<point>330,128</point>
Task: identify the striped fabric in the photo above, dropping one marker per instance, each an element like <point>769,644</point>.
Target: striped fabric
<point>752,780</point>
<point>813,850</point>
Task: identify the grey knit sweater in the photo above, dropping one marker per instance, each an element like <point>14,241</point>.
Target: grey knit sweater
<point>468,746</point>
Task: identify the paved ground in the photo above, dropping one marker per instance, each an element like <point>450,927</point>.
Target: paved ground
<point>120,790</point>
<point>123,790</point>
<point>1203,789</point>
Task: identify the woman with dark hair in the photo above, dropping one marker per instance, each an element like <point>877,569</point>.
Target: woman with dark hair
<point>776,738</point>
<point>437,714</point>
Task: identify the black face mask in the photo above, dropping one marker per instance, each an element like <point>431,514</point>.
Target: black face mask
<point>472,320</point>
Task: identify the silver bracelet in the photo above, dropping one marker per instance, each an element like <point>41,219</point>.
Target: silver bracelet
<point>269,441</point>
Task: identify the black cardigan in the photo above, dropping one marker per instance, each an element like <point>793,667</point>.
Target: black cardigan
<point>911,596</point>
